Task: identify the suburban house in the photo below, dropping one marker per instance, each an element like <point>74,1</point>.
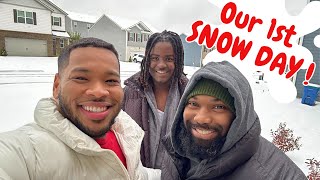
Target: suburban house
<point>193,52</point>
<point>80,23</point>
<point>308,42</point>
<point>128,36</point>
<point>32,28</point>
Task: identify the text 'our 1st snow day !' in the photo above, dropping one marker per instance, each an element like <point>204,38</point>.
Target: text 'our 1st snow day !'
<point>226,41</point>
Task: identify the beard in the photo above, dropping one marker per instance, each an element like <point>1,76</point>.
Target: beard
<point>201,148</point>
<point>66,111</point>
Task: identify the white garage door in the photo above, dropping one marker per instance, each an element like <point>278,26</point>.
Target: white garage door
<point>26,47</point>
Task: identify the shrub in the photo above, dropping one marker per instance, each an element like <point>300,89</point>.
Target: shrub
<point>74,37</point>
<point>283,138</point>
<point>130,59</point>
<point>314,167</point>
<point>3,52</point>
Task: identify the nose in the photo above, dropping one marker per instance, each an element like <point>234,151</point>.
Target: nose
<point>162,62</point>
<point>98,90</point>
<point>202,116</point>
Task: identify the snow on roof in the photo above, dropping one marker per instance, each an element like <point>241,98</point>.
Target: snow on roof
<point>124,23</point>
<point>152,28</point>
<point>82,17</point>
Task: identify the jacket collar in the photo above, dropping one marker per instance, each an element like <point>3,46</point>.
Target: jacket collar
<point>47,116</point>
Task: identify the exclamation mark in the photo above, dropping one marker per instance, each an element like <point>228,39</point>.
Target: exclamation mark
<point>309,73</point>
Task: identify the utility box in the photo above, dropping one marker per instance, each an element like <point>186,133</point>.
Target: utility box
<point>310,94</point>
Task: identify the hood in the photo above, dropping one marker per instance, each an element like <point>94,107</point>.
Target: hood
<point>238,86</point>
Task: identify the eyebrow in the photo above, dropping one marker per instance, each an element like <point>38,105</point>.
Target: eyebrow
<point>213,99</point>
<point>84,70</point>
<point>159,55</point>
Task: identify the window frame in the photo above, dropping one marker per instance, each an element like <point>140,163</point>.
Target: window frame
<point>56,21</point>
<point>131,36</point>
<point>61,42</point>
<point>138,37</point>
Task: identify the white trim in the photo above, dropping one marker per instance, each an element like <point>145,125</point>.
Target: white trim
<point>126,57</point>
<point>60,34</point>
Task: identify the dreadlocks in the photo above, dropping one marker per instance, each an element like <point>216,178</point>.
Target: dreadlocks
<point>164,36</point>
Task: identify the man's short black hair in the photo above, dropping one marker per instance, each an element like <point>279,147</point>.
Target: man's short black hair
<point>63,59</point>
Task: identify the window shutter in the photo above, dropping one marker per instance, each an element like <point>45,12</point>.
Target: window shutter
<point>15,15</point>
<point>34,18</point>
<point>128,36</point>
<point>60,21</point>
<point>51,20</point>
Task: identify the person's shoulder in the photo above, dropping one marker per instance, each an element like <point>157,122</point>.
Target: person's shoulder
<point>275,162</point>
<point>29,134</point>
<point>133,80</point>
<point>18,135</point>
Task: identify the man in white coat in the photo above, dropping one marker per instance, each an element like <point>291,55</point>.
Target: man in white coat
<point>81,132</point>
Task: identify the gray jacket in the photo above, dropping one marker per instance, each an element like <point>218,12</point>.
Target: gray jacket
<point>245,153</point>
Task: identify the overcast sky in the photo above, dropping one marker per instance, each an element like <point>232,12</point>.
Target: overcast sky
<point>177,15</point>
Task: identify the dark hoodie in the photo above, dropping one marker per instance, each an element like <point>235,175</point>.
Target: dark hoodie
<point>245,154</point>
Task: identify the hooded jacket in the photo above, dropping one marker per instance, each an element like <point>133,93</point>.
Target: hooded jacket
<point>136,105</point>
<point>245,154</point>
<point>53,148</point>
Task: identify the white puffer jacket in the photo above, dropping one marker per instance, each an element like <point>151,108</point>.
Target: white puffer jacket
<point>53,148</point>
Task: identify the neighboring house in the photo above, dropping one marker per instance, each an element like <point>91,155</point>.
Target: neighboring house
<point>128,36</point>
<point>32,28</point>
<point>192,52</point>
<point>308,42</point>
<point>80,23</point>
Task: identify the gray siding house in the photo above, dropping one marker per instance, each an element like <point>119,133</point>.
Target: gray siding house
<point>80,23</point>
<point>192,52</point>
<point>309,44</point>
<point>128,36</point>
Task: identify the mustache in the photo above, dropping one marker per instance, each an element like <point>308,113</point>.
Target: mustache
<point>208,127</point>
<point>94,99</point>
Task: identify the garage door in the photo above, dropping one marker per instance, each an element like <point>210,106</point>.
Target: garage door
<point>26,47</point>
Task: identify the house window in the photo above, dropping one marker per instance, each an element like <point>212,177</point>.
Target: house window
<point>61,43</point>
<point>29,18</point>
<point>88,26</point>
<point>21,17</point>
<point>56,21</point>
<point>24,17</point>
<point>138,39</point>
<point>75,24</point>
<point>146,37</point>
<point>131,36</point>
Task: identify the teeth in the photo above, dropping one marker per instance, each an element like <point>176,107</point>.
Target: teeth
<point>94,109</point>
<point>204,132</point>
<point>161,72</point>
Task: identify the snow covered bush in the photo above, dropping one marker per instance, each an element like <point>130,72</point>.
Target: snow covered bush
<point>314,167</point>
<point>3,52</point>
<point>283,138</point>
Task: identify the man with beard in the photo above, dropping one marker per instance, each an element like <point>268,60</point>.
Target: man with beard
<point>81,132</point>
<point>216,132</point>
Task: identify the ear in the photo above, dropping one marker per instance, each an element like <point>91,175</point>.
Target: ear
<point>56,85</point>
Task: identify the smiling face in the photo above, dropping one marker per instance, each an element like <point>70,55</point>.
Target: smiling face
<point>162,63</point>
<point>89,91</point>
<point>207,119</point>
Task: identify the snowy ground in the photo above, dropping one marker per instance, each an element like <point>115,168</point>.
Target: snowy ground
<point>24,80</point>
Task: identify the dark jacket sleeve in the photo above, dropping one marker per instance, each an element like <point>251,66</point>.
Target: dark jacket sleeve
<point>168,169</point>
